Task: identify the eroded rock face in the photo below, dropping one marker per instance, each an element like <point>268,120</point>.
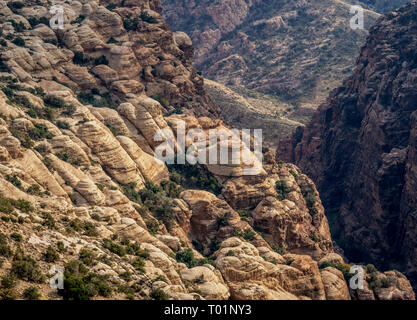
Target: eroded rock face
<point>360,149</point>
<point>250,44</point>
<point>80,184</point>
<point>250,276</point>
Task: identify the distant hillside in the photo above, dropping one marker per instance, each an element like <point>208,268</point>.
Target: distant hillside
<point>295,50</point>
<point>250,109</point>
<point>381,6</point>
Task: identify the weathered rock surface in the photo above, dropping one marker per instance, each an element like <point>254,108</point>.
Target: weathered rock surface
<point>80,187</point>
<point>360,149</point>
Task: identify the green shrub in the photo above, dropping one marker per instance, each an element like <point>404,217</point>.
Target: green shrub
<point>3,66</point>
<point>35,21</point>
<point>80,59</point>
<point>195,177</point>
<point>88,257</point>
<point>18,26</point>
<point>244,213</point>
<point>152,226</point>
<point>344,268</point>
<point>48,220</point>
<point>155,199</point>
<point>6,205</point>
<point>19,42</point>
<point>16,237</point>
<point>15,6</point>
<point>86,97</point>
<point>31,293</point>
<point>8,294</point>
<point>23,137</point>
<point>186,256</point>
<point>385,283</point>
<point>148,18</point>
<point>79,284</point>
<point>51,41</point>
<point>9,281</point>
<point>130,192</point>
<point>64,156</point>
<point>44,113</point>
<point>370,268</point>
<point>222,220</point>
<point>14,180</point>
<point>113,130</point>
<point>74,289</point>
<point>277,248</point>
<point>126,276</point>
<point>114,247</point>
<point>131,24</point>
<point>314,237</point>
<point>164,102</point>
<point>54,102</point>
<point>282,189</point>
<point>60,246</point>
<point>171,188</point>
<point>86,227</point>
<point>159,294</point>
<point>22,205</point>
<point>248,234</point>
<point>5,250</point>
<point>78,20</point>
<point>310,199</point>
<point>51,255</point>
<point>63,124</point>
<point>101,60</point>
<point>139,264</point>
<point>133,248</point>
<point>34,190</point>
<point>26,268</point>
<point>111,40</point>
<point>40,132</point>
<point>230,253</point>
<point>326,264</point>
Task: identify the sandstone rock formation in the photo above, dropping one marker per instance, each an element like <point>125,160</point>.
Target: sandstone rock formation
<point>80,187</point>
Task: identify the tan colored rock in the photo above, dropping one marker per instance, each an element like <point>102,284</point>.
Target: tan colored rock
<point>334,284</point>
<point>172,242</point>
<point>206,281</point>
<point>113,157</point>
<point>151,168</point>
<point>248,275</point>
<point>34,167</point>
<point>106,74</point>
<point>4,155</point>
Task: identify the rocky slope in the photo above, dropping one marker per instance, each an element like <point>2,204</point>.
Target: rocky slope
<point>297,51</point>
<point>380,5</point>
<point>360,149</point>
<point>81,188</point>
<point>252,109</point>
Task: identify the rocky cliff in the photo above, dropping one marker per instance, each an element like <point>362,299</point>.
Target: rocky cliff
<point>360,149</point>
<point>81,189</point>
<point>296,51</point>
